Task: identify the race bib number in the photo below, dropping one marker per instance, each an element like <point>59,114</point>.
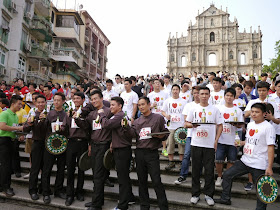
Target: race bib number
<point>73,124</point>
<point>226,129</point>
<point>202,133</point>
<point>54,126</point>
<point>175,118</point>
<point>144,133</point>
<point>96,126</point>
<point>248,149</point>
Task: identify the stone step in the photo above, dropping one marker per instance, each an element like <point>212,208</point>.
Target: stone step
<point>168,181</point>
<point>177,200</point>
<point>174,172</point>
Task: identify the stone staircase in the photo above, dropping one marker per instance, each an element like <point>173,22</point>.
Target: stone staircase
<point>178,195</point>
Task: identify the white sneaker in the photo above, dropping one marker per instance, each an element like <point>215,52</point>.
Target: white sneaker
<point>39,176</point>
<point>26,176</point>
<point>116,208</point>
<point>194,200</point>
<point>219,182</point>
<point>209,200</point>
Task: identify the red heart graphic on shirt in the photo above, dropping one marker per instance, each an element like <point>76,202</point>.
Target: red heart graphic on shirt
<point>157,99</point>
<point>251,132</point>
<point>216,97</point>
<point>200,114</point>
<point>226,115</point>
<point>235,104</point>
<point>174,105</point>
<point>184,97</point>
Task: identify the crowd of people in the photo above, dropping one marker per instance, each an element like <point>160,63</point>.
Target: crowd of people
<point>222,113</point>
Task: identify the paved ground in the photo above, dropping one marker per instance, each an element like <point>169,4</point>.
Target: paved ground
<point>12,205</point>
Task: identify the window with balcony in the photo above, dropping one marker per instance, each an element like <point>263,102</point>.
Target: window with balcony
<point>21,64</point>
<point>255,54</point>
<point>183,61</point>
<point>4,30</point>
<point>23,42</point>
<point>67,21</point>
<point>242,59</point>
<point>193,57</point>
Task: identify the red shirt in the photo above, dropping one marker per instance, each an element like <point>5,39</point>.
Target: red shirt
<point>7,94</point>
<point>60,90</point>
<point>24,90</point>
<point>49,98</point>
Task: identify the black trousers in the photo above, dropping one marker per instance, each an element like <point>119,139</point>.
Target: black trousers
<point>16,159</point>
<point>239,169</point>
<point>49,160</point>
<point>6,149</point>
<point>73,153</point>
<point>122,158</point>
<point>37,154</point>
<point>99,173</point>
<point>147,162</point>
<point>203,157</point>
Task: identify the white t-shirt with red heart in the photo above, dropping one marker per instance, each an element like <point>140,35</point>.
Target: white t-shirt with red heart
<point>186,96</point>
<point>204,135</point>
<point>174,108</point>
<point>216,97</point>
<point>255,151</point>
<point>159,98</point>
<point>228,135</point>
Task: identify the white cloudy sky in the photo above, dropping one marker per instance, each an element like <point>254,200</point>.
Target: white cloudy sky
<point>139,29</point>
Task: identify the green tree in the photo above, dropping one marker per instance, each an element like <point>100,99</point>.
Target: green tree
<point>274,66</point>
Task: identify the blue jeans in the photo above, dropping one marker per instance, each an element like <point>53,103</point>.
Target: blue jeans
<point>237,170</point>
<point>186,159</point>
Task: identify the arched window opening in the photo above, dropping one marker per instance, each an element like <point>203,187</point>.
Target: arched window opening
<point>230,55</point>
<point>242,59</point>
<point>183,61</point>
<point>212,59</point>
<point>193,57</point>
<point>212,37</point>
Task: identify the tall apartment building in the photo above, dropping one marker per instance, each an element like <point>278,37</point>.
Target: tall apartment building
<point>39,42</point>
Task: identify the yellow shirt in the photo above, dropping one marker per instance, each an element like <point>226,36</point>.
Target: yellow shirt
<point>1,110</point>
<point>22,116</point>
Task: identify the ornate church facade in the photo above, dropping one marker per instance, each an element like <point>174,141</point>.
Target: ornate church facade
<point>214,43</point>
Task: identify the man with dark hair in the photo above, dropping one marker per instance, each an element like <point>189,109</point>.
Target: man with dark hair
<point>247,96</point>
<point>262,89</point>
<point>77,145</point>
<point>121,147</point>
<point>167,85</point>
<point>8,124</point>
<point>258,154</point>
<point>204,143</point>
<point>211,76</point>
<point>118,86</point>
<point>186,91</point>
<point>217,94</point>
<point>4,104</point>
<point>172,110</point>
<point>48,94</point>
<point>87,85</point>
<point>109,92</point>
<point>99,144</point>
<point>23,89</point>
<point>226,147</point>
<point>146,154</point>
<point>137,89</point>
<point>263,79</point>
<point>36,125</point>
<point>4,89</point>
<point>50,124</point>
<point>130,100</point>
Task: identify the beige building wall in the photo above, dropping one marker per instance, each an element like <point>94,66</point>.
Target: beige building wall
<point>214,43</point>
